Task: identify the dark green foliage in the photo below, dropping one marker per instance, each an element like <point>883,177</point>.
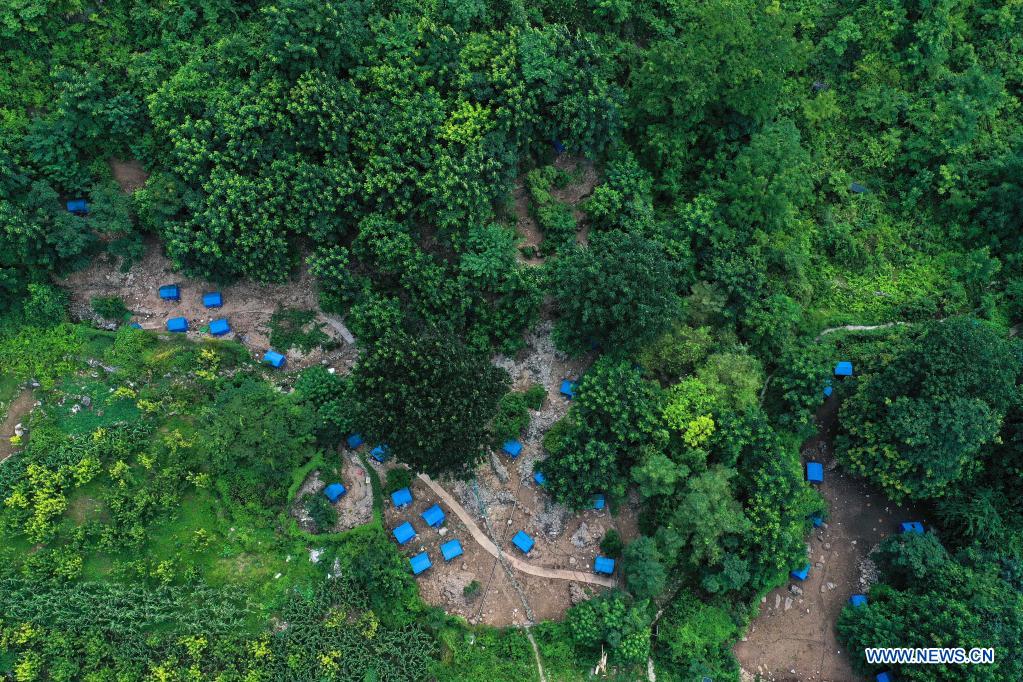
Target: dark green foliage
<point>611,544</point>
<point>429,398</point>
<point>296,328</point>
<point>614,622</point>
<point>916,424</point>
<point>619,291</point>
<point>254,437</point>
<point>513,413</point>
<point>644,574</point>
<point>331,399</point>
<point>45,306</point>
<point>555,218</point>
<point>110,308</point>
<point>397,479</point>
<point>320,510</point>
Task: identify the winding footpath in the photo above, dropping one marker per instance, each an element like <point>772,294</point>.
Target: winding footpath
<point>486,543</point>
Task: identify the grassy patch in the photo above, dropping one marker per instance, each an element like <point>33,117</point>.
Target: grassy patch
<point>295,328</point>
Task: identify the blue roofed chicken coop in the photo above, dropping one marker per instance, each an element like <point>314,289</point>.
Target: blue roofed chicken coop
<point>219,327</point>
<point>434,516</point>
<point>354,441</point>
<point>844,369</point>
<point>177,324</point>
<point>404,533</point>
<point>274,359</point>
<point>568,389</point>
<point>815,472</point>
<point>380,453</point>
<point>334,492</point>
<point>451,549</point>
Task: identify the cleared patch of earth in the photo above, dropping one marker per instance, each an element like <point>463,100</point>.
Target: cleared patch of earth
<point>355,508</point>
<point>248,306</point>
<point>129,174</point>
<point>793,639</point>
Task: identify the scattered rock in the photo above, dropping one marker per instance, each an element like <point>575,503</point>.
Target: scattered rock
<point>581,538</point>
<point>314,555</point>
<point>788,603</point>
<point>777,600</point>
<point>576,594</point>
<point>795,589</point>
<point>19,430</point>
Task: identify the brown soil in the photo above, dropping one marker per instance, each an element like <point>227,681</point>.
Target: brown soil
<point>794,639</point>
<point>130,174</point>
<point>18,410</point>
<point>247,305</point>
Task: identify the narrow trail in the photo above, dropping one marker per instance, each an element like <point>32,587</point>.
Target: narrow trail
<point>536,653</point>
<point>19,407</point>
<point>486,543</point>
<point>859,328</point>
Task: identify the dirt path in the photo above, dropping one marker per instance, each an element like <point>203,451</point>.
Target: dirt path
<point>860,328</point>
<point>19,408</point>
<point>536,653</point>
<point>487,544</point>
<point>793,639</point>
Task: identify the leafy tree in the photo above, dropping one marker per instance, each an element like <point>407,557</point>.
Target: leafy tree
<point>429,398</point>
<point>644,574</point>
<point>619,291</point>
<point>611,620</point>
<point>917,424</point>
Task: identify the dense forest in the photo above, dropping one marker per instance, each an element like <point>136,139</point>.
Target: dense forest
<point>767,171</point>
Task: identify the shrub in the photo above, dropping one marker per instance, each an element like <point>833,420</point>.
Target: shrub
<point>612,544</point>
<point>110,307</point>
<point>322,512</point>
<point>397,479</point>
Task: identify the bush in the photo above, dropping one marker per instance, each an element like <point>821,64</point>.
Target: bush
<point>471,590</point>
<point>110,307</point>
<point>322,512</point>
<point>612,545</point>
<point>45,306</point>
<point>397,479</point>
<point>294,328</point>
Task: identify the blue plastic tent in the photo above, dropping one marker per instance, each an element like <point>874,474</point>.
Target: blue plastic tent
<point>434,516</point>
<point>170,292</point>
<point>219,327</point>
<point>559,146</point>
<point>334,491</point>
<point>274,359</point>
<point>604,565</point>
<point>598,501</point>
<point>355,440</point>
<point>512,448</point>
<point>801,573</point>
<point>212,299</point>
<point>401,498</point>
<point>380,453</point>
<point>177,324</point>
<point>817,520</point>
<point>539,478</point>
<point>135,325</point>
<point>912,527</point>
<point>828,390</point>
<point>857,188</point>
<point>451,549</point>
<point>404,533</point>
<point>815,472</point>
<point>844,369</point>
<point>568,389</point>
<point>420,563</point>
<point>78,206</point>
<point>858,600</point>
<point>884,677</point>
<point>523,542</point>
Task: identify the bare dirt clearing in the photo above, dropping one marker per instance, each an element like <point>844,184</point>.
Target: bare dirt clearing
<point>355,508</point>
<point>16,413</point>
<point>129,174</point>
<point>794,637</point>
<point>247,305</point>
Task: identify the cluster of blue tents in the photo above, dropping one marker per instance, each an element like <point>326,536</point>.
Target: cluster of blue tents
<point>405,532</point>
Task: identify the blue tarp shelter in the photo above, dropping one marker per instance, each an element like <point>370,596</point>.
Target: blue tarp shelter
<point>401,498</point>
<point>212,299</point>
<point>884,677</point>
<point>274,359</point>
<point>177,324</point>
<point>404,533</point>
<point>604,565</point>
<point>78,206</point>
<point>170,292</point>
<point>598,501</point>
<point>801,573</point>
<point>354,440</point>
<point>844,369</point>
<point>512,448</point>
<point>451,549</point>
<point>568,389</point>
<point>817,520</point>
<point>219,327</point>
<point>434,516</point>
<point>420,563</point>
<point>380,453</point>
<point>334,491</point>
<point>857,188</point>
<point>858,600</point>
<point>815,472</point>
<point>539,478</point>
<point>559,146</point>
<point>828,390</point>
<point>135,325</point>
<point>523,541</point>
<point>912,527</point>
